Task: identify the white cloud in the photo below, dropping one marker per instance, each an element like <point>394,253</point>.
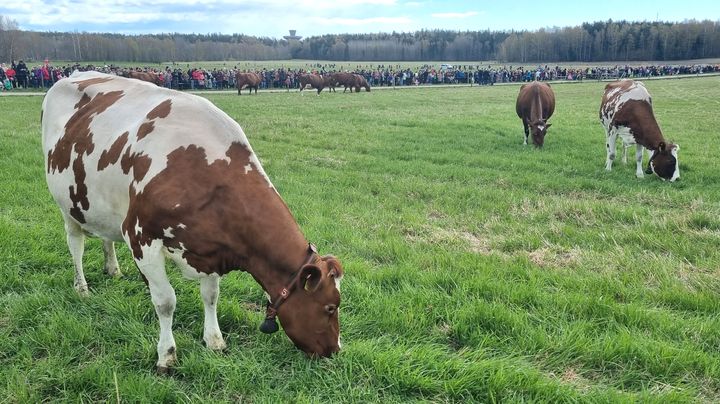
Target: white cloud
<point>455,15</point>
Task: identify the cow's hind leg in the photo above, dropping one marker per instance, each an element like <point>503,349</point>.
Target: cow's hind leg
<point>210,290</point>
<point>111,265</point>
<point>152,266</point>
<point>76,245</point>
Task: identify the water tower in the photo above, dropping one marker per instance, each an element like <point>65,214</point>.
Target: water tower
<point>292,36</point>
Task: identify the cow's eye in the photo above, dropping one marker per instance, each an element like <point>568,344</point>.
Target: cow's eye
<point>330,309</point>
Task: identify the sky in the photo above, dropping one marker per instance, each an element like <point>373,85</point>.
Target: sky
<point>273,18</point>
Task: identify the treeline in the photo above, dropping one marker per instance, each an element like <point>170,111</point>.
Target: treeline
<point>590,42</point>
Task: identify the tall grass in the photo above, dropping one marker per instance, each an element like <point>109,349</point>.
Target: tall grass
<point>477,269</point>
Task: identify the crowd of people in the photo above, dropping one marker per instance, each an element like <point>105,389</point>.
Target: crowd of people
<point>44,75</point>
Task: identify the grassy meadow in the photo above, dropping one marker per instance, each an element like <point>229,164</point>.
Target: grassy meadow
<point>476,269</point>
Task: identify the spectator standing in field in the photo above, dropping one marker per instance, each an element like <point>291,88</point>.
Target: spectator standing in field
<point>22,74</point>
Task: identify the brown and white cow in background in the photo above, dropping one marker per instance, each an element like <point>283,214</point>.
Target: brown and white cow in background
<point>535,105</point>
<point>173,176</point>
<point>626,111</point>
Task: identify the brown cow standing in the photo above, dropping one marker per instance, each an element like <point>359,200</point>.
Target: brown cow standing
<point>535,105</point>
<point>329,82</point>
<point>346,80</point>
<point>249,80</point>
<point>313,80</point>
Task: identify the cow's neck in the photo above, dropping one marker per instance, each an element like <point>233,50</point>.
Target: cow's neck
<point>274,258</point>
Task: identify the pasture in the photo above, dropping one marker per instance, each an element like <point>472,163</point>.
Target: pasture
<point>476,268</point>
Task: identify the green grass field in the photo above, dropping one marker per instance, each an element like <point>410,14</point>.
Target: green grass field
<point>476,269</point>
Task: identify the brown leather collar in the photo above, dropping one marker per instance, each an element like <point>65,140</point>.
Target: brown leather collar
<point>270,325</point>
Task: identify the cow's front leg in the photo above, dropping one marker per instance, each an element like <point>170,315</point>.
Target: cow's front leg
<point>611,147</point>
<point>638,161</point>
<point>527,131</point>
<point>111,265</point>
<point>209,290</point>
<point>152,265</point>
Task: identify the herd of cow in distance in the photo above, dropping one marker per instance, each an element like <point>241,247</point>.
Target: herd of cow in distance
<point>124,164</point>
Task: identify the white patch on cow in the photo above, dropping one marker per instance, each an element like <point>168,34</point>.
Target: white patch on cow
<point>138,228</point>
<point>188,271</point>
<point>626,135</point>
<point>177,205</point>
<point>167,232</point>
<point>676,174</point>
<point>182,225</point>
<point>541,127</point>
<point>248,168</point>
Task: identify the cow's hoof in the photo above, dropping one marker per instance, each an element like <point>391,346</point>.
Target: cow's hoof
<point>82,290</point>
<point>164,371</point>
<point>215,343</point>
<point>113,272</point>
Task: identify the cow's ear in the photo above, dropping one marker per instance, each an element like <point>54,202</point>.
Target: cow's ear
<point>661,146</point>
<point>548,125</point>
<point>334,268</point>
<point>309,278</point>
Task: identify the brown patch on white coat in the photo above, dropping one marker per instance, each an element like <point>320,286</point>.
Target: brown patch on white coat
<point>188,189</point>
<point>626,111</point>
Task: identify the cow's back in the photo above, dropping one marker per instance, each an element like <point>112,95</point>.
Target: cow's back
<point>106,137</point>
<point>622,98</point>
<point>534,94</point>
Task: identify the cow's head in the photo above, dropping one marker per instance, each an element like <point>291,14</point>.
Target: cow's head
<point>664,162</point>
<point>538,130</point>
<point>310,314</point>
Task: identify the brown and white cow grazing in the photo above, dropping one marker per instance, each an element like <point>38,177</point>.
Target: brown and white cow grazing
<point>173,176</point>
<point>626,111</point>
<point>535,105</point>
<point>249,80</point>
<point>313,80</point>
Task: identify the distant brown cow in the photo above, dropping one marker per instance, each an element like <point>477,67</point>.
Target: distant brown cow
<point>144,76</point>
<point>361,82</point>
<point>249,80</point>
<point>313,80</point>
<point>535,105</point>
<point>346,80</point>
<point>328,82</point>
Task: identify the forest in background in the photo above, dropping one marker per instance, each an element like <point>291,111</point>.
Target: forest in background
<point>589,42</point>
